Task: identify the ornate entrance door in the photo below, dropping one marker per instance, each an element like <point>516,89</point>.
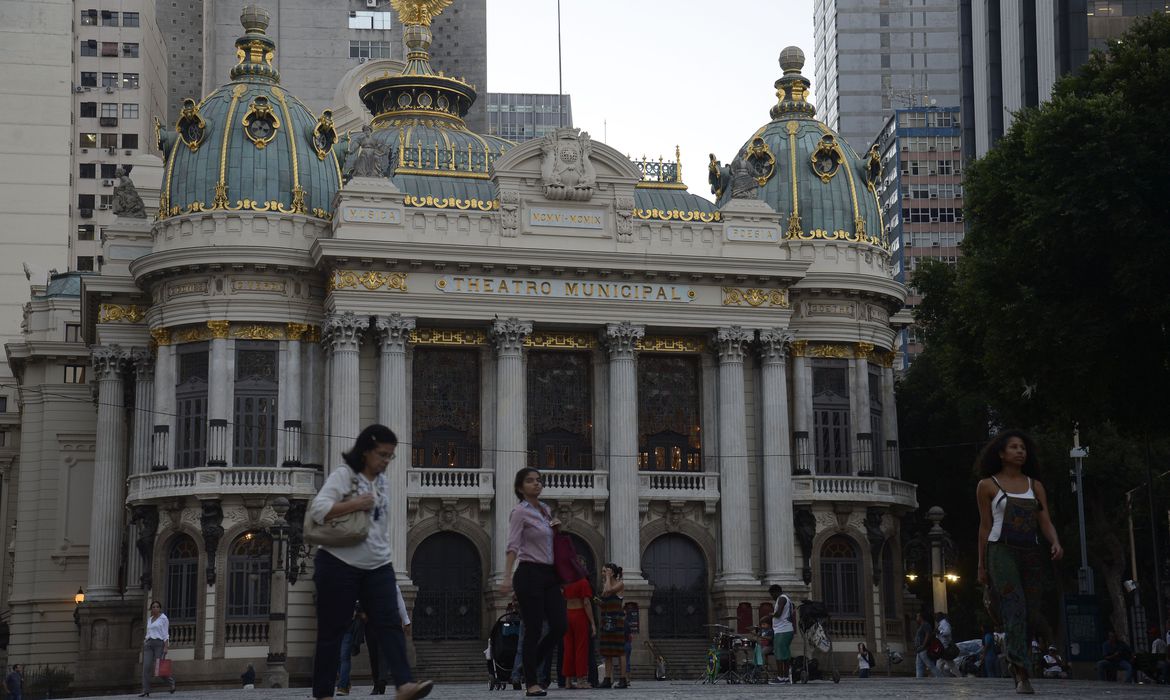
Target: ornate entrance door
<point>675,566</point>
<point>447,572</point>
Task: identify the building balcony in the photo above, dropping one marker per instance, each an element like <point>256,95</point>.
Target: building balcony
<point>212,482</point>
<point>678,486</point>
<point>870,490</point>
<point>446,482</point>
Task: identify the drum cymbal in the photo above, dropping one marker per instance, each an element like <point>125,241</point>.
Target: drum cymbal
<point>718,625</point>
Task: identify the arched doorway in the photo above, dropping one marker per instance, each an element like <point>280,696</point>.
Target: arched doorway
<point>446,569</point>
<point>841,584</point>
<point>675,566</point>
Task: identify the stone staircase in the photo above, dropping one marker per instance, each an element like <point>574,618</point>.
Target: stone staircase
<point>451,661</point>
<point>686,660</point>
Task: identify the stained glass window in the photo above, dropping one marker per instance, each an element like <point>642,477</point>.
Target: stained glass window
<point>669,404</point>
<point>445,407</point>
<point>255,403</point>
<point>249,576</point>
<point>560,410</point>
<point>191,407</point>
<point>831,416</point>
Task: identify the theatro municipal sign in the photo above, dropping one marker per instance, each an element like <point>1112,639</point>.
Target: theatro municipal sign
<point>564,289</point>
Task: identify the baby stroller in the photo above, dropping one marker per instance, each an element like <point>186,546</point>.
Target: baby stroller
<point>814,627</point>
<point>502,645</point>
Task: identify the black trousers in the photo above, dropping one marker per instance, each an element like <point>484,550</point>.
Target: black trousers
<point>538,591</point>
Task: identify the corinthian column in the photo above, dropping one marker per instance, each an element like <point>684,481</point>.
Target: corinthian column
<point>393,334</point>
<point>621,340</point>
<point>342,333</point>
<point>779,565</point>
<point>511,446</point>
<point>734,504</point>
<point>109,475</point>
<point>141,449</point>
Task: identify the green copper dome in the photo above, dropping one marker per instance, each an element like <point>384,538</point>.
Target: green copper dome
<point>805,171</point>
<point>249,145</point>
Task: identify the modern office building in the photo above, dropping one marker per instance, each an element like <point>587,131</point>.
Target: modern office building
<point>119,90</point>
<point>526,116</point>
<point>325,40</point>
<point>181,24</point>
<point>1014,51</point>
<point>874,56</point>
<point>708,388</point>
<point>921,194</point>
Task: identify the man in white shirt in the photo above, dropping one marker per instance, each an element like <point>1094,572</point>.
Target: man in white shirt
<point>946,636</point>
<point>783,629</point>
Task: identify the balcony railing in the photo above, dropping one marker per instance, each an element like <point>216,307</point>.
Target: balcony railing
<point>865,489</point>
<point>846,629</point>
<point>246,633</point>
<point>177,483</point>
<point>572,484</point>
<point>182,635</point>
<point>679,486</point>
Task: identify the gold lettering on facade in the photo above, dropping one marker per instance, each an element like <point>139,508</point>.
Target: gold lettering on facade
<point>563,289</point>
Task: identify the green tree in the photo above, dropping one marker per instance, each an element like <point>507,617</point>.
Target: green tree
<point>1059,309</point>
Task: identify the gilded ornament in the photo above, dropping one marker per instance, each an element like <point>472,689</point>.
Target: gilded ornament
<point>296,331</point>
<point>191,334</point>
<point>161,336</point>
<point>664,343</point>
<point>450,202</point>
<point>258,332</point>
<point>419,12</point>
<point>677,215</point>
<point>190,125</point>
<point>219,329</point>
<point>343,279</point>
<point>829,350</point>
<point>372,279</point>
<point>447,336</point>
<point>759,152</point>
<point>221,199</point>
<point>865,351</point>
<point>734,296</point>
<point>324,136</point>
<point>826,160</point>
<point>800,348</point>
<point>260,122</point>
<point>548,340</point>
<point>116,313</point>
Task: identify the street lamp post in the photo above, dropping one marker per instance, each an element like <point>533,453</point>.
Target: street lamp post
<point>277,672</point>
<point>938,580</point>
<point>1084,574</point>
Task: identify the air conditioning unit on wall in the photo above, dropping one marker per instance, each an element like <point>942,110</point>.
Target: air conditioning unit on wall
<point>371,3</point>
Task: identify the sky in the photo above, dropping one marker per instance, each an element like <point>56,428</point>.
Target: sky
<point>647,75</point>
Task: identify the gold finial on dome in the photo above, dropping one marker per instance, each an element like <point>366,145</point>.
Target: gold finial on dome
<point>792,60</point>
<point>792,87</point>
<point>254,18</point>
<point>255,50</point>
<point>419,12</point>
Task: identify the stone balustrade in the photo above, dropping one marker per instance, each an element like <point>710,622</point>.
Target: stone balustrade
<point>679,486</point>
<point>867,489</point>
<point>222,481</point>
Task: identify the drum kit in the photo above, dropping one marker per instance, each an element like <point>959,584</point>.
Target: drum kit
<point>737,658</point>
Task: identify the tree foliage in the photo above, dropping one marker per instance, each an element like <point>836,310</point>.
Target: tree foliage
<point>1059,308</point>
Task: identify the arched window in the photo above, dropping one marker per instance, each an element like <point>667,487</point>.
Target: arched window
<point>841,577</point>
<point>191,407</point>
<point>256,393</point>
<point>182,579</point>
<point>831,416</point>
<point>249,575</point>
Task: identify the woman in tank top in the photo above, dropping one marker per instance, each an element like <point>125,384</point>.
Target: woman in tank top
<point>1013,514</point>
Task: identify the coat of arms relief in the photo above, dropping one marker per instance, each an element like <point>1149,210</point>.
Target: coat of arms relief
<point>566,170</point>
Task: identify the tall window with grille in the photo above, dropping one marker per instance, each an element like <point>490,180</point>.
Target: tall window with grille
<point>875,418</point>
<point>560,410</point>
<point>191,406</point>
<point>841,578</point>
<point>182,579</point>
<point>256,393</point>
<point>669,410</point>
<point>249,577</point>
<point>445,407</point>
<point>831,416</point>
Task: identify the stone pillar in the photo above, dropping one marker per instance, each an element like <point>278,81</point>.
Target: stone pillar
<point>109,476</point>
<point>140,454</point>
<point>802,414</point>
<point>393,333</point>
<point>221,379</point>
<point>736,539</point>
<point>511,444</point>
<point>938,583</point>
<point>779,551</point>
<point>862,461</point>
<point>343,334</point>
<point>314,390</point>
<point>892,462</point>
<point>163,419</point>
<point>291,393</point>
<point>621,340</point>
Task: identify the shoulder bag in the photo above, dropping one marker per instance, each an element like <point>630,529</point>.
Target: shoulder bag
<point>342,531</point>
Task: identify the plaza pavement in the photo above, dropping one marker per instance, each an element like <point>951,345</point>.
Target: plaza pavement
<point>879,687</point>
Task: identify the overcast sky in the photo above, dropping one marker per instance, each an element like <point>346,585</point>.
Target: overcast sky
<point>646,75</point>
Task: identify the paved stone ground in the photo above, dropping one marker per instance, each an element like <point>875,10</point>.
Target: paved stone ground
<point>951,689</point>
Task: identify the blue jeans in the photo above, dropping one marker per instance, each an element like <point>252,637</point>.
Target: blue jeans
<point>545,672</point>
<point>922,662</point>
<point>339,585</point>
<point>346,661</point>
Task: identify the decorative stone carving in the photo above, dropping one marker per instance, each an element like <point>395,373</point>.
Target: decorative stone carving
<point>109,361</point>
<point>566,170</point>
<point>127,201</point>
<point>774,344</point>
<point>877,538</point>
<point>367,156</point>
<point>624,206</point>
<point>211,525</point>
<point>805,525</point>
<point>508,334</point>
<point>509,212</point>
<point>621,339</point>
<point>393,331</point>
<point>344,331</point>
<point>730,343</point>
<point>143,360</point>
<point>146,518</point>
<point>749,170</point>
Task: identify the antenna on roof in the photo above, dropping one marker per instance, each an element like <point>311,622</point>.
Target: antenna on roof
<point>560,78</point>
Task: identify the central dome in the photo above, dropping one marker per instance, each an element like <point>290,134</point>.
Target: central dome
<point>805,171</point>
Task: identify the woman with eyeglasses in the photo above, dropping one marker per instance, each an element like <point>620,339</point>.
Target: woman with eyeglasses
<point>362,572</point>
<point>538,588</point>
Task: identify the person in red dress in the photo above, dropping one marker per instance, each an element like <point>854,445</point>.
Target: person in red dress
<point>579,606</point>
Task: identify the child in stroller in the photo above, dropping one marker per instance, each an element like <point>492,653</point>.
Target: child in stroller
<point>502,646</point>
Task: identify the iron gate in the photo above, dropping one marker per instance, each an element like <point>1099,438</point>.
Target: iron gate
<point>447,571</point>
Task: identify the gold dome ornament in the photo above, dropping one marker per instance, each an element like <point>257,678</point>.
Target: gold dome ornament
<point>419,12</point>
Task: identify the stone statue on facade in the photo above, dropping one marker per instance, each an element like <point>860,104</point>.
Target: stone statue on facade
<point>211,526</point>
<point>566,168</point>
<point>367,156</point>
<point>146,517</point>
<point>127,202</point>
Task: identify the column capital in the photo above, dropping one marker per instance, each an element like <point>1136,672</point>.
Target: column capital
<point>109,361</point>
<point>393,331</point>
<point>508,334</point>
<point>343,331</point>
<point>774,344</point>
<point>730,343</point>
<point>622,339</point>
<point>143,360</point>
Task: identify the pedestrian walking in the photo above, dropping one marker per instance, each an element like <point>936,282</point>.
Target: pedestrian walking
<point>1013,514</point>
<point>923,636</point>
<point>538,588</point>
<point>14,682</point>
<point>783,629</point>
<point>865,660</point>
<point>989,654</point>
<point>155,647</point>
<point>361,572</point>
<point>613,627</point>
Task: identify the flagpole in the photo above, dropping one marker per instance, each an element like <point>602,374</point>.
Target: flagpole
<point>560,78</point>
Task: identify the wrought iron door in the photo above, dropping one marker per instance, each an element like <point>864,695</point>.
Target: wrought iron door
<point>446,569</point>
<point>678,608</point>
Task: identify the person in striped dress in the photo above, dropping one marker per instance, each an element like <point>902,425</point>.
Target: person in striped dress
<point>613,627</point>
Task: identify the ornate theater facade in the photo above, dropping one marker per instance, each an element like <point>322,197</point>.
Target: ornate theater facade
<point>708,387</point>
